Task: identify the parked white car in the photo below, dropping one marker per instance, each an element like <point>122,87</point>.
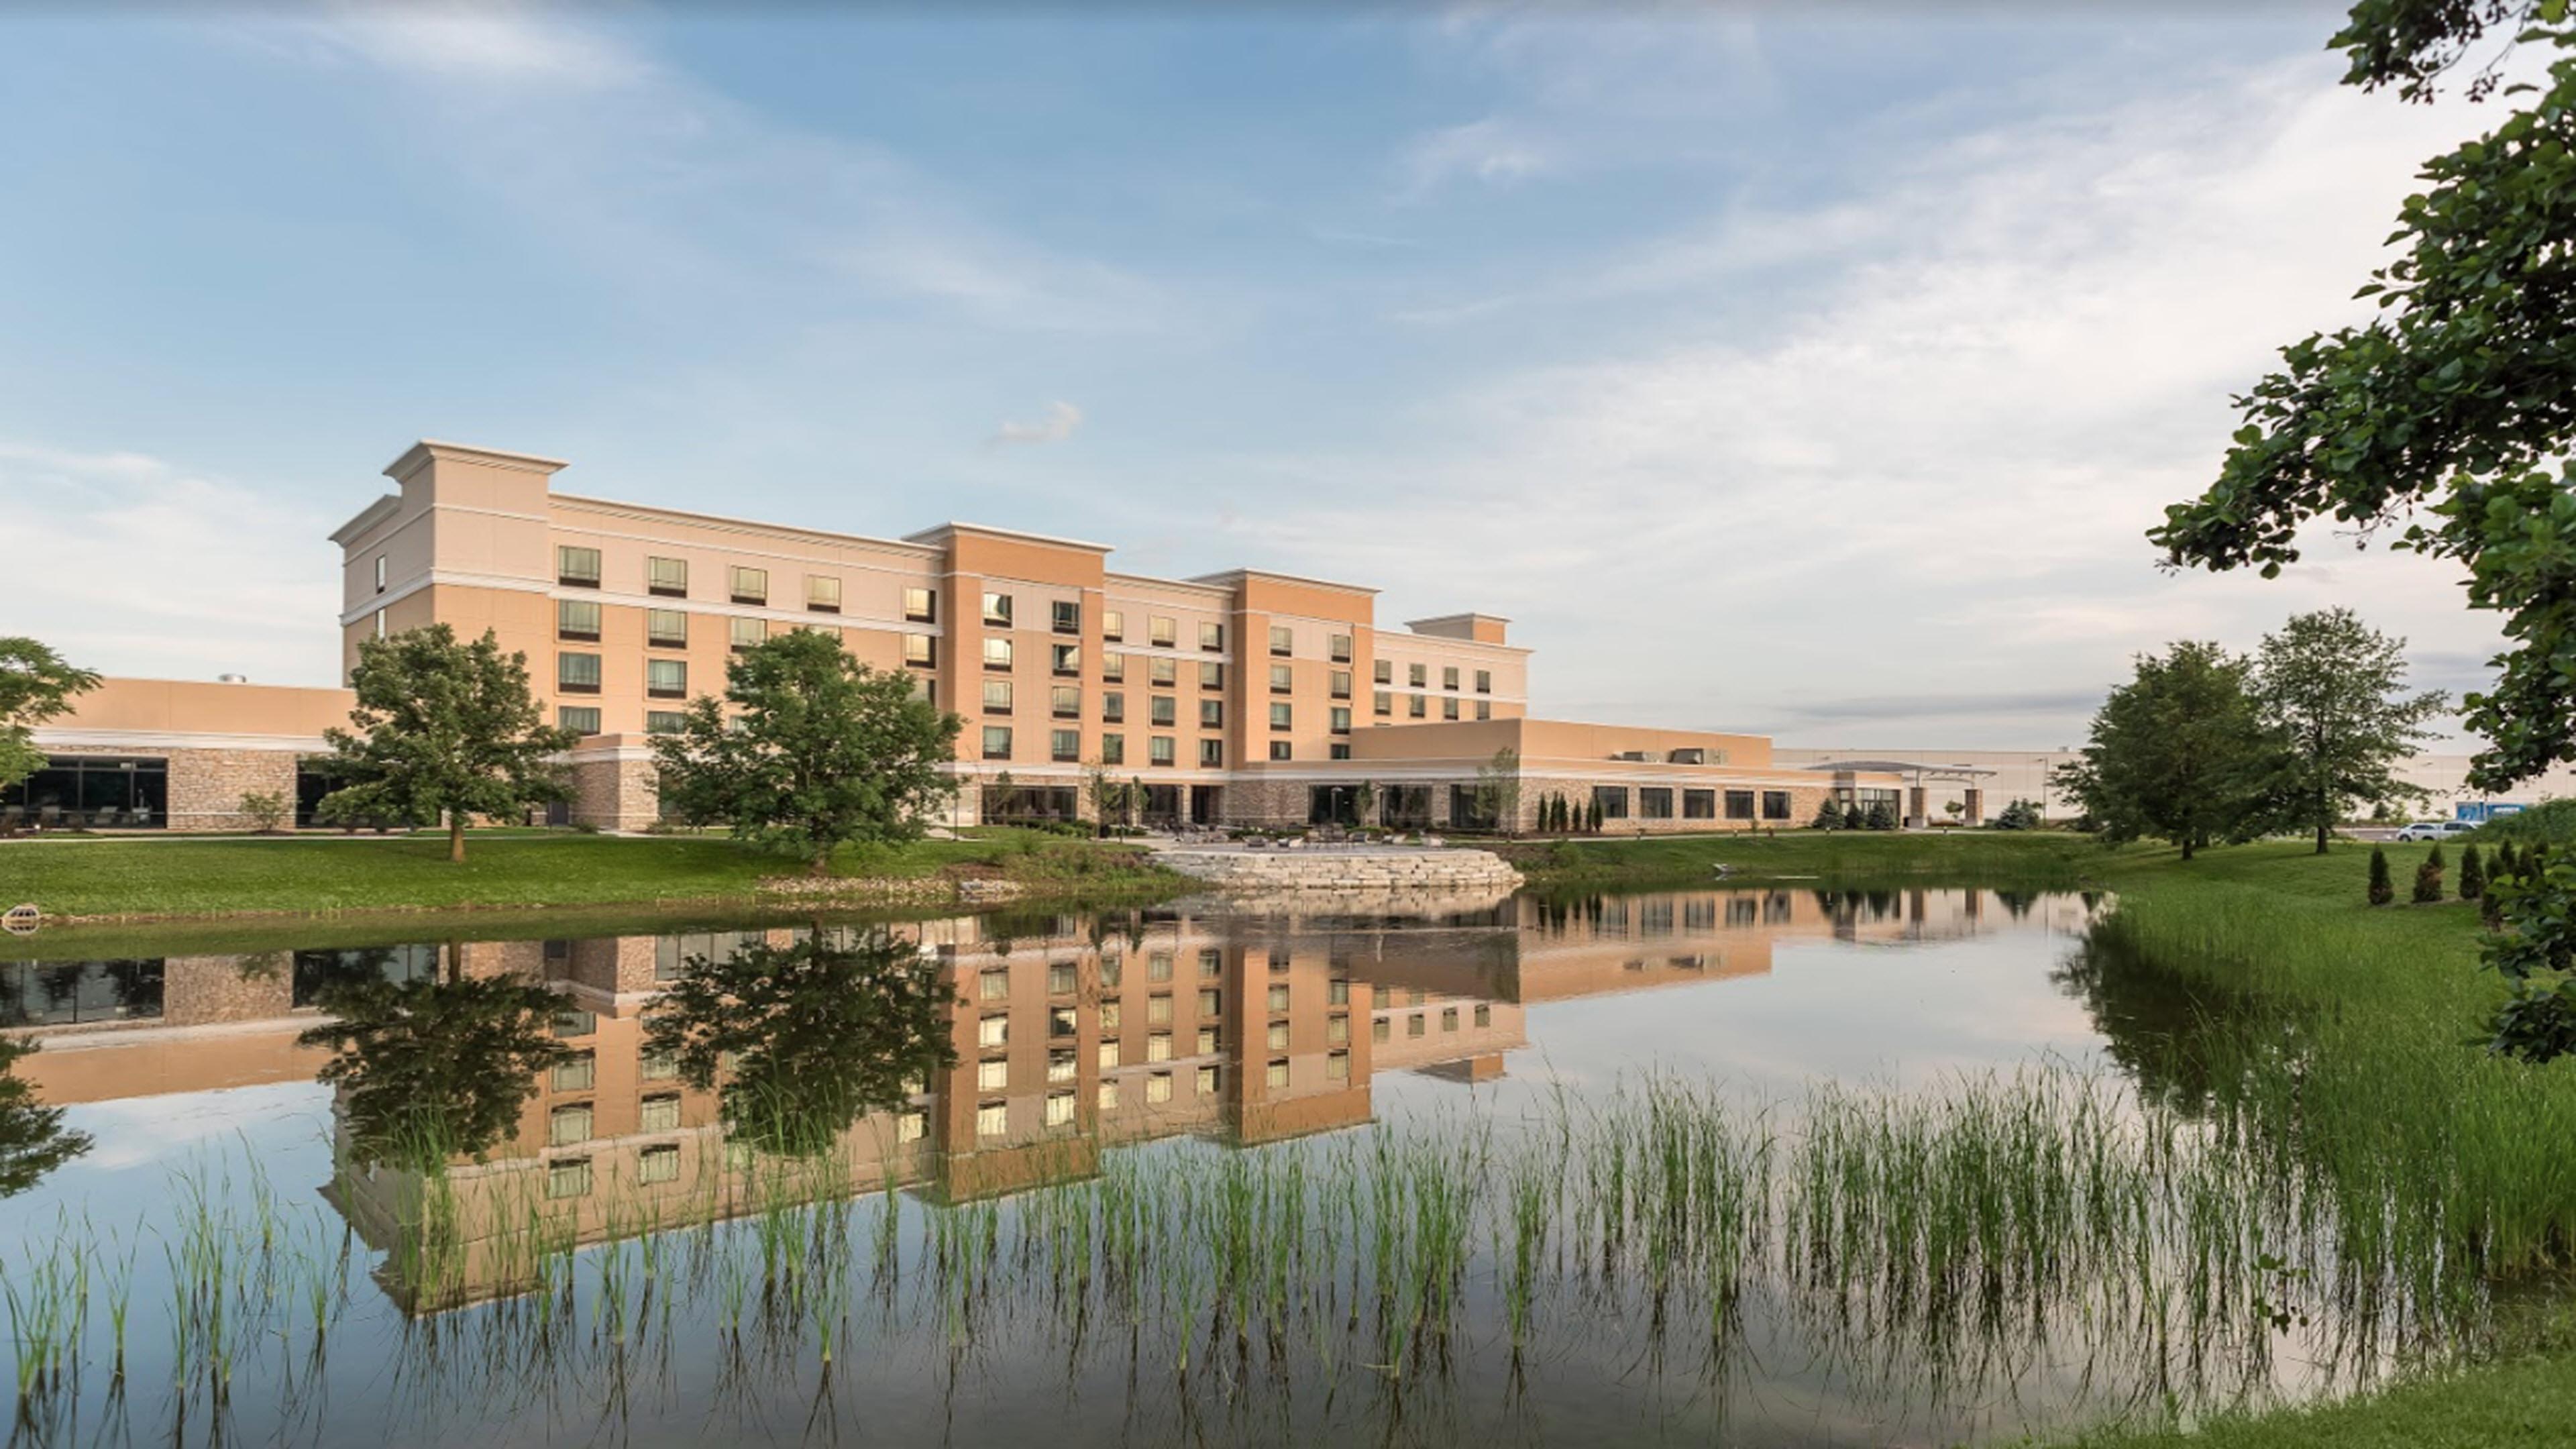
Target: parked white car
<point>2435,830</point>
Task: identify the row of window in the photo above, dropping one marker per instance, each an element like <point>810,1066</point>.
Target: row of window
<point>1655,802</point>
<point>1065,746</point>
<point>994,983</point>
<point>1418,676</point>
<point>1418,706</point>
<point>579,568</point>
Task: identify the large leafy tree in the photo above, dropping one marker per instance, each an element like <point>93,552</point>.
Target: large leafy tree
<point>36,684</point>
<point>431,1069</point>
<point>2178,754</point>
<point>442,725</point>
<point>2334,690</point>
<point>809,750</point>
<point>817,1033</point>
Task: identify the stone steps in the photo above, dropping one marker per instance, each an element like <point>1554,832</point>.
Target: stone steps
<point>1344,870</point>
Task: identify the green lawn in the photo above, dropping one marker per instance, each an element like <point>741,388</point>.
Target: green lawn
<point>2527,1400</point>
<point>176,878</point>
<point>1985,857</point>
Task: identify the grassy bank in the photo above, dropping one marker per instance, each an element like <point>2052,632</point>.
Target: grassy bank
<point>197,879</point>
<point>1980,857</point>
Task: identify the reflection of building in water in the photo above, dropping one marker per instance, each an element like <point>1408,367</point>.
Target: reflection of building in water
<point>1248,1025</point>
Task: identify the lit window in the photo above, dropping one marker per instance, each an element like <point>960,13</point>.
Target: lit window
<point>569,1177</point>
<point>993,985</point>
<point>747,634</point>
<point>997,653</point>
<point>576,1074</point>
<point>666,628</point>
<point>1108,1096</point>
<point>1162,632</point>
<point>1158,1087</point>
<point>1337,1030</point>
<point>1158,1047</point>
<point>577,567</point>
<point>997,610</point>
<point>748,586</point>
<point>1337,1066</point>
<point>668,577</point>
<point>1060,1065</point>
<point>993,1031</point>
<point>1278,1037</point>
<point>912,1127</point>
<point>1158,965</point>
<point>1279,997</point>
<point>992,1076</point>
<point>920,650</point>
<point>1109,1054</point>
<point>1207,1079</point>
<point>1211,635</point>
<point>1158,1009</point>
<point>1113,668</point>
<point>1278,1076</point>
<point>993,1119</point>
<point>1113,624</point>
<point>921,606</point>
<point>1059,1109</point>
<point>1165,672</point>
<point>1207,1041</point>
<point>822,594</point>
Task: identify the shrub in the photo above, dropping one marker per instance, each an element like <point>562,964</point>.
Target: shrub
<point>1829,816</point>
<point>2020,815</point>
<point>1882,816</point>
<point>2428,879</point>
<point>2473,875</point>
<point>1853,819</point>
<point>267,809</point>
<point>2382,890</point>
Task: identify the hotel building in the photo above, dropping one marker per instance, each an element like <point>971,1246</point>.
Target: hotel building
<point>1242,697</point>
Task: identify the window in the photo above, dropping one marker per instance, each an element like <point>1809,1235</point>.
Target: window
<point>1211,635</point>
<point>1165,710</point>
<point>1338,751</point>
<point>1211,674</point>
<point>1775,804</point>
<point>568,1177</point>
<point>1158,966</point>
<point>576,1074</point>
<point>1108,1055</point>
<point>380,623</point>
<point>1448,709</point>
<point>993,985</point>
<point>920,650</point>
<point>1448,1018</point>
<point>1208,1043</point>
<point>1415,706</point>
<point>664,722</point>
<point>1484,709</point>
<point>997,653</point>
<point>577,619</point>
<point>1283,640</point>
<point>1158,1044</point>
<point>1113,667</point>
<point>1211,1003</point>
<point>1063,745</point>
<point>666,629</point>
<point>568,1124</point>
<point>1278,998</point>
<point>993,1119</point>
<point>1211,714</point>
<point>747,634</point>
<point>993,1075</point>
<point>1277,1076</point>
<point>747,586</point>
<point>1341,684</point>
<point>1449,676</point>
<point>577,673</point>
<point>1113,707</point>
<point>1065,615</point>
<point>1159,750</point>
<point>1163,633</point>
<point>1654,802</point>
<point>1383,671</point>
<point>993,1031</point>
<point>997,742</point>
<point>1211,962</point>
<point>380,573</point>
<point>1417,675</point>
<point>1484,681</point>
<point>921,606</point>
<point>580,719</point>
<point>1380,1029</point>
<point>666,678</point>
<point>661,1113</point>
<point>1064,701</point>
<point>1059,1109</point>
<point>1113,749</point>
<point>1382,702</point>
<point>577,567</point>
<point>997,610</point>
<point>1337,1066</point>
<point>1165,672</point>
<point>1277,1037</point>
<point>822,594</point>
<point>1212,753</point>
<point>1340,648</point>
<point>1281,716</point>
<point>1739,804</point>
<point>997,696</point>
<point>1699,804</point>
<point>1113,624</point>
<point>1282,681</point>
<point>1484,1013</point>
<point>1281,750</point>
<point>1341,719</point>
<point>1065,658</point>
<point>658,1164</point>
<point>668,577</point>
<point>1158,1087</point>
<point>1337,1030</point>
<point>1611,801</point>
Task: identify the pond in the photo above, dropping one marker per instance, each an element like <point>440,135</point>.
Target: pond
<point>1761,1166</point>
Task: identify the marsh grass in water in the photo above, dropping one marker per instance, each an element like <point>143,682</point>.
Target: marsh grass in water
<point>1961,1244</point>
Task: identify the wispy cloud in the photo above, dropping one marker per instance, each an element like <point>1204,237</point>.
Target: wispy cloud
<point>1491,151</point>
<point>1061,419</point>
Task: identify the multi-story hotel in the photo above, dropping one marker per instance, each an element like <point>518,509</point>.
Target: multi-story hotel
<point>1237,697</point>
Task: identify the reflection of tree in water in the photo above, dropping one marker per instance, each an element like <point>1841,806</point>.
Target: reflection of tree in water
<point>33,1140</point>
<point>2172,1034</point>
<point>429,1069</point>
<point>810,1036</point>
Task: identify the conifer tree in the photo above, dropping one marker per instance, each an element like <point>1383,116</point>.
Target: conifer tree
<point>2473,875</point>
<point>2428,879</point>
<point>2382,890</point>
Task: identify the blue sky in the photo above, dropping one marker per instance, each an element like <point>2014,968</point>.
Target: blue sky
<point>1809,375</point>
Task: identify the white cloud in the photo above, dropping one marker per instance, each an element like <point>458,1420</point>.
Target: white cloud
<point>1490,151</point>
<point>497,42</point>
<point>1929,475</point>
<point>1059,423</point>
<point>133,565</point>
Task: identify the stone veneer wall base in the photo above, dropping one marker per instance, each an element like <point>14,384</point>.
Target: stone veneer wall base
<point>1260,871</point>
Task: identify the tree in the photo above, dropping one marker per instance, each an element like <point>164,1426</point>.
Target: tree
<point>442,728</point>
<point>1108,797</point>
<point>2335,691</point>
<point>817,752</point>
<point>33,1140</point>
<point>2382,889</point>
<point>36,685</point>
<point>434,1069</point>
<point>1853,819</point>
<point>817,1032</point>
<point>2428,879</point>
<point>1498,791</point>
<point>1882,816</point>
<point>2175,754</point>
<point>1829,815</point>
<point>2020,815</point>
<point>2473,875</point>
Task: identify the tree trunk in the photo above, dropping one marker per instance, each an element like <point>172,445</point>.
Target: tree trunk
<point>2186,847</point>
<point>456,837</point>
<point>2323,830</point>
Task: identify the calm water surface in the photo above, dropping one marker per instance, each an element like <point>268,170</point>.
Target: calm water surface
<point>1429,1172</point>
